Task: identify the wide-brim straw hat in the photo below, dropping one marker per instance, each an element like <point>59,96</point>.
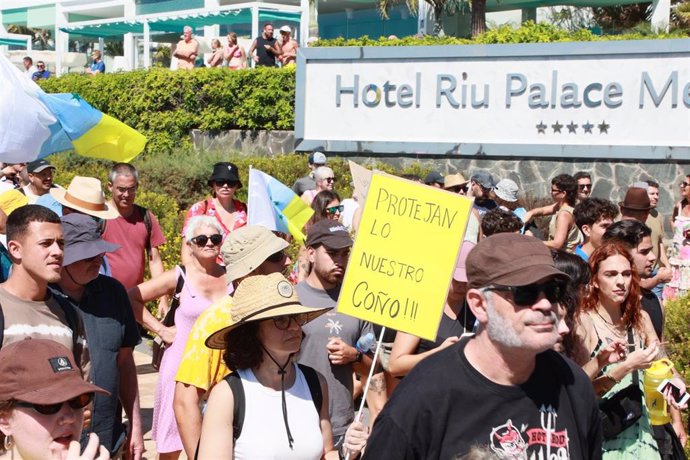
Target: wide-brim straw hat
<point>454,180</point>
<point>262,297</point>
<point>85,194</point>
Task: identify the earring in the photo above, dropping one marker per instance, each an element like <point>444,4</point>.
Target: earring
<point>8,443</point>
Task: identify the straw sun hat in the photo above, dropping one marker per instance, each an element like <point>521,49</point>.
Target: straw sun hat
<point>85,194</point>
<point>262,297</point>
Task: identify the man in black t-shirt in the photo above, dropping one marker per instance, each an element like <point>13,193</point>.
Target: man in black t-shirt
<point>504,388</point>
<point>266,47</point>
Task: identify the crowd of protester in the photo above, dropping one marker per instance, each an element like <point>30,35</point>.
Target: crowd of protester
<point>544,339</point>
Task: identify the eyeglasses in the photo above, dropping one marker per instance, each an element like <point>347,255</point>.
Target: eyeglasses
<point>334,209</point>
<point>584,186</point>
<point>528,295</point>
<point>79,402</point>
<point>683,184</point>
<point>229,183</point>
<point>201,240</point>
<point>329,179</point>
<point>283,322</point>
<point>276,257</point>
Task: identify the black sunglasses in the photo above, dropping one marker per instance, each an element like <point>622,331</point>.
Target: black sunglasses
<point>528,295</point>
<point>334,209</point>
<point>283,322</point>
<point>228,182</point>
<point>584,186</point>
<point>329,179</point>
<point>201,240</point>
<point>79,402</point>
<point>276,257</point>
<point>683,184</point>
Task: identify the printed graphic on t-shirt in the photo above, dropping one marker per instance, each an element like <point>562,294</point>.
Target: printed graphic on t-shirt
<point>545,442</point>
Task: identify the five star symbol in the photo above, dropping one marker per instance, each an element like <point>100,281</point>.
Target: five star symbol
<point>572,127</point>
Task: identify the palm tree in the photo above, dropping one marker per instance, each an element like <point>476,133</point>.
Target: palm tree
<point>41,37</point>
<point>441,7</point>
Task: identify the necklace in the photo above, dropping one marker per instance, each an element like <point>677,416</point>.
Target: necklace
<point>610,325</point>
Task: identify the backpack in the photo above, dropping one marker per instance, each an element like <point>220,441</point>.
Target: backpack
<point>71,316</point>
<point>235,383</point>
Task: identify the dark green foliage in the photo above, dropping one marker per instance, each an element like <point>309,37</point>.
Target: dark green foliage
<point>165,105</point>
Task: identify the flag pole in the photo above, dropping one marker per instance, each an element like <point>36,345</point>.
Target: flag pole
<point>366,387</point>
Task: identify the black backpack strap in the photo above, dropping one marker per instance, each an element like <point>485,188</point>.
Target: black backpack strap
<point>314,385</point>
<point>149,226</point>
<point>2,326</point>
<point>235,383</point>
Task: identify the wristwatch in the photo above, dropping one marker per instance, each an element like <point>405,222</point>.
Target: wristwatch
<point>358,357</point>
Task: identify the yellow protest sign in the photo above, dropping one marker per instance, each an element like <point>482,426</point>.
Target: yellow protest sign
<point>404,255</point>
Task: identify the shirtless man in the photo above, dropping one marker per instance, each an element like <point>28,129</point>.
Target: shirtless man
<point>289,46</point>
<point>186,50</point>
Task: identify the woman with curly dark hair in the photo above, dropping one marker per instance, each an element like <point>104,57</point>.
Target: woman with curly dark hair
<point>611,314</point>
<point>563,233</point>
<point>575,289</point>
<point>270,407</point>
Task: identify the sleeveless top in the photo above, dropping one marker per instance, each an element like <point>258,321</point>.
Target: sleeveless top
<point>263,434</point>
<point>636,441</point>
<point>265,58</point>
<point>573,238</point>
<point>449,327</point>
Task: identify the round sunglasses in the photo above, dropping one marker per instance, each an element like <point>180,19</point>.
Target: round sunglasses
<point>201,240</point>
<point>78,402</point>
<point>283,322</point>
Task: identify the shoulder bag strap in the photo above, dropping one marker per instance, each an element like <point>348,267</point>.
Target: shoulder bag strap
<point>631,345</point>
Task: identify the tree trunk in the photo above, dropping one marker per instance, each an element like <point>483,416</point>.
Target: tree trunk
<point>438,20</point>
<point>478,17</point>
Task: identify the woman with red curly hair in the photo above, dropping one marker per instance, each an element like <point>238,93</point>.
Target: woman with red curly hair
<point>611,317</point>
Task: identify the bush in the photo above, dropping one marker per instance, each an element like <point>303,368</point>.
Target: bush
<point>165,105</point>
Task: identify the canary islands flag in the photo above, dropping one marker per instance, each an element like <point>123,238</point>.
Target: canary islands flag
<point>275,206</point>
<point>35,124</point>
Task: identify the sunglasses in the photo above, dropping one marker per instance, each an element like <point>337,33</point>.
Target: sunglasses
<point>229,183</point>
<point>276,257</point>
<point>201,240</point>
<point>79,402</point>
<point>584,186</point>
<point>283,322</point>
<point>458,189</point>
<point>528,295</point>
<point>334,209</point>
<point>555,190</point>
<point>683,184</point>
<point>329,179</point>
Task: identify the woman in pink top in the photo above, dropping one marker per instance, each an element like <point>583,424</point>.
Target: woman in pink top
<point>234,53</point>
<point>230,213</point>
<point>204,284</point>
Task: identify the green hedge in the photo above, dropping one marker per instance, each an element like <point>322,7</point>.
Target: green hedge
<point>528,32</point>
<point>165,105</point>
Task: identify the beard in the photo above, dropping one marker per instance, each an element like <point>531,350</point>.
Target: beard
<point>500,330</point>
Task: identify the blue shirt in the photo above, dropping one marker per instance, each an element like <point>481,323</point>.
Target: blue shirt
<point>41,74</point>
<point>581,253</point>
<point>98,66</point>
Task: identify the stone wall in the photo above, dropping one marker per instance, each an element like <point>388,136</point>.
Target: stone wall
<point>610,179</point>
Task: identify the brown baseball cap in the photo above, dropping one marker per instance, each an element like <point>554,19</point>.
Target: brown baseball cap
<point>41,371</point>
<point>330,233</point>
<point>510,259</point>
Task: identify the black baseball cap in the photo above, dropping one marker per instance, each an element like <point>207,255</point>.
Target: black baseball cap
<point>329,233</point>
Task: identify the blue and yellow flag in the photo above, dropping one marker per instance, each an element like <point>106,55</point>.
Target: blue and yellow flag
<point>275,206</point>
<point>35,124</point>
